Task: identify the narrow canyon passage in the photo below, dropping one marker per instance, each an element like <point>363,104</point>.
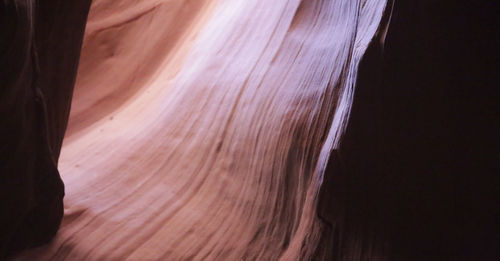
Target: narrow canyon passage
<point>234,130</point>
<point>200,130</point>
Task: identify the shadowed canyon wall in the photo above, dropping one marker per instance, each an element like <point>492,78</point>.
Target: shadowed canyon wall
<point>414,176</point>
<point>40,45</point>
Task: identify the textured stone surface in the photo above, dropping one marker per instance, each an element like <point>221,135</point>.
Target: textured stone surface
<point>200,129</point>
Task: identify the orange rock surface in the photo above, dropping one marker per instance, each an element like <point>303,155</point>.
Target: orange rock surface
<point>200,129</point>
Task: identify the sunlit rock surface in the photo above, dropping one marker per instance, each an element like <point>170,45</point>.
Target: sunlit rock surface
<point>200,130</point>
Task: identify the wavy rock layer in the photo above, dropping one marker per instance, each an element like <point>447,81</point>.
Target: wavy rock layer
<point>200,130</point>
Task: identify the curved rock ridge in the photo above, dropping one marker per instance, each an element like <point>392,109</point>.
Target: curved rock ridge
<point>200,130</point>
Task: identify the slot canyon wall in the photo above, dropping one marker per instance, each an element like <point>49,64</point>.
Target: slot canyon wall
<point>245,130</point>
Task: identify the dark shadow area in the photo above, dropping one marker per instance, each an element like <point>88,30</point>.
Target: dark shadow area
<point>40,45</point>
<point>415,173</point>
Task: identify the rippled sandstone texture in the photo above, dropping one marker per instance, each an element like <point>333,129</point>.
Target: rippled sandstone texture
<point>200,130</point>
<point>196,123</point>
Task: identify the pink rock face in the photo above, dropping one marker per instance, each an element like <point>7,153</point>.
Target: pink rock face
<point>200,130</point>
